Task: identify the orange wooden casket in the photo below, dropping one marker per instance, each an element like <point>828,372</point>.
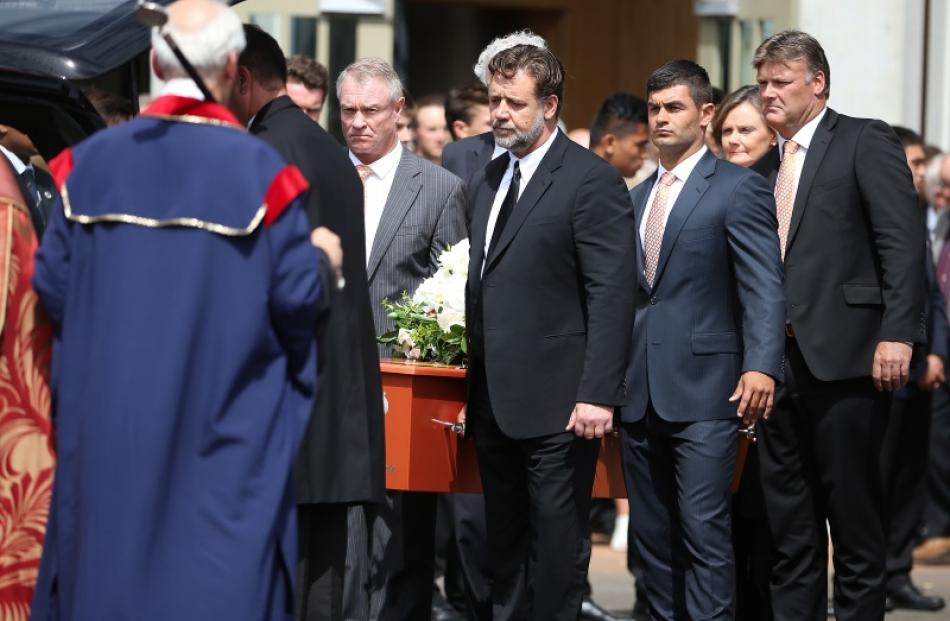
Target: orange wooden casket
<point>424,456</point>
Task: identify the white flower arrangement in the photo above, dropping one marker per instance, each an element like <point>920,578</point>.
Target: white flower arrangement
<point>430,325</point>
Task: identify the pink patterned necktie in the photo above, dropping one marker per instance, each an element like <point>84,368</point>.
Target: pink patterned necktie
<point>785,192</point>
<point>363,171</point>
<point>656,225</point>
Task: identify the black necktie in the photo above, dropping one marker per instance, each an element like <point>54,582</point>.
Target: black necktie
<point>507,206</point>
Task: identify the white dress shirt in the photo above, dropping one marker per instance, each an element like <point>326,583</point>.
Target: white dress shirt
<point>18,165</point>
<point>682,172</point>
<point>527,165</point>
<point>376,191</point>
<point>803,138</point>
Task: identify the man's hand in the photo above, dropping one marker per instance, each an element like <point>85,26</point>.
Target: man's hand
<point>460,419</point>
<point>328,241</point>
<point>591,421</point>
<point>935,374</point>
<point>755,393</point>
<point>18,143</point>
<point>891,365</point>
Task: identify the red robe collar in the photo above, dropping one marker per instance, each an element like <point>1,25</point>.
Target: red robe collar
<point>176,106</point>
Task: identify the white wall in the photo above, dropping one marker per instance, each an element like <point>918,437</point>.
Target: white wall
<point>937,130</point>
<point>875,49</point>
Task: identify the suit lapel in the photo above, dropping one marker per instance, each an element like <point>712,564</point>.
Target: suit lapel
<point>639,206</point>
<point>483,204</point>
<point>816,152</point>
<point>686,202</point>
<point>537,186</point>
<point>402,195</point>
<point>768,166</point>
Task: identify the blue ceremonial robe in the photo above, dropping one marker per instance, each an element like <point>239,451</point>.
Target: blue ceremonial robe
<point>184,288</point>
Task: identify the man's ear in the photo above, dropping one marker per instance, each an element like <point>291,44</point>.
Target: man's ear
<point>459,128</point>
<point>232,69</point>
<point>244,78</point>
<point>706,113</point>
<point>609,142</point>
<point>550,107</point>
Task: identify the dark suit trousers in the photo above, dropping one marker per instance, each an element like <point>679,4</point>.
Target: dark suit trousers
<point>819,455</point>
<point>322,534</point>
<point>904,472</point>
<point>937,513</point>
<point>473,563</point>
<point>390,572</point>
<point>678,477</point>
<point>537,501</point>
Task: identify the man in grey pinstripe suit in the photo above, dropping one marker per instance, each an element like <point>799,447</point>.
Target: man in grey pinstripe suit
<point>413,210</point>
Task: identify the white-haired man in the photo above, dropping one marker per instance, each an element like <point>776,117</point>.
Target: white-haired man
<point>413,210</point>
<point>183,286</point>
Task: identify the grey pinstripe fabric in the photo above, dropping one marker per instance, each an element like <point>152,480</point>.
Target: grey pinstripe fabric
<point>424,213</point>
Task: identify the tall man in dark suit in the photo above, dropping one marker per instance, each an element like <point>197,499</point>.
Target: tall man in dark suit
<point>549,303</point>
<point>413,211</point>
<point>341,460</point>
<point>706,350</point>
<point>853,244</point>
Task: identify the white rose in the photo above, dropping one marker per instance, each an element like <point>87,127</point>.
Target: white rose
<point>455,296</point>
<point>430,292</point>
<point>414,354</point>
<point>450,317</point>
<point>455,259</point>
<point>404,337</point>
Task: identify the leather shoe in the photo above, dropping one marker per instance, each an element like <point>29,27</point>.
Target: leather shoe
<point>443,611</point>
<point>591,611</point>
<point>908,597</point>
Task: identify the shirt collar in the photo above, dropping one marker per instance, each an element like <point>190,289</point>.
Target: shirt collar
<point>498,151</point>
<point>384,165</point>
<point>804,135</point>
<point>683,170</point>
<point>15,161</point>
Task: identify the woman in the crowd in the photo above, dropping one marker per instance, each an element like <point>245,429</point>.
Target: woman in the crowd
<point>740,126</point>
<point>744,138</point>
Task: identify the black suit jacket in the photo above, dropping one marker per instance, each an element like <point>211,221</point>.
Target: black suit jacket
<point>467,156</point>
<point>556,299</point>
<point>854,270</point>
<point>342,455</point>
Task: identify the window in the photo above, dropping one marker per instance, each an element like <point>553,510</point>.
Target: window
<point>303,36</point>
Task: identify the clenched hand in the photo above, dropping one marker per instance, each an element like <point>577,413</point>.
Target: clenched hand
<point>891,365</point>
<point>755,393</point>
<point>591,421</point>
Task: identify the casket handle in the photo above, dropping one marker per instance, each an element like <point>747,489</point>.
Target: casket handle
<point>456,428</point>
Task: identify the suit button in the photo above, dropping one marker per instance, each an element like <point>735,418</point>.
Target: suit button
<point>653,301</point>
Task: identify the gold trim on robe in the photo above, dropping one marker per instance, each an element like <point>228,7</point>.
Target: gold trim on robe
<point>152,223</point>
<point>193,118</point>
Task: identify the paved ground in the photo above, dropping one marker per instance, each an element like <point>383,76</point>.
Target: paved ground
<point>613,586</point>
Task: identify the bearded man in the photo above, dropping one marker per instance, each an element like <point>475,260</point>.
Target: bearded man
<point>550,308</point>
